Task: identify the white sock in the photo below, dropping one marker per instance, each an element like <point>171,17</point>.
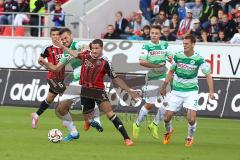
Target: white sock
<point>159,116</point>
<point>67,121</point>
<point>36,115</point>
<point>96,116</point>
<point>192,130</point>
<point>142,113</point>
<point>168,126</point>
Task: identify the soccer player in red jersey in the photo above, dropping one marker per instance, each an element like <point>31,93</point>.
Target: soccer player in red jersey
<point>93,70</point>
<point>55,79</point>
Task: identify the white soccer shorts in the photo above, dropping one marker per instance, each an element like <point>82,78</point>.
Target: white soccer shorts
<point>176,100</point>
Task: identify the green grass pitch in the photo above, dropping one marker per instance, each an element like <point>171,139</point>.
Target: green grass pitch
<point>216,139</point>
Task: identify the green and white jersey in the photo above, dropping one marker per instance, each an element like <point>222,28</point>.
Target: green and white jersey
<point>186,71</point>
<point>75,63</point>
<point>156,54</point>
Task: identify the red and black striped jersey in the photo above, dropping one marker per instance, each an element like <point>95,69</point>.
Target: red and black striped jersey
<point>93,70</point>
<point>53,55</point>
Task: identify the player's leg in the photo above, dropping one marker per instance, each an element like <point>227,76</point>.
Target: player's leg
<point>174,103</point>
<point>63,110</point>
<point>150,92</point>
<point>106,107</point>
<point>191,104</point>
<point>160,113</point>
<point>89,110</point>
<point>141,115</point>
<point>43,106</point>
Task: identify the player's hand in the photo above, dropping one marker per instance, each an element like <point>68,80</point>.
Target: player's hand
<point>58,43</point>
<point>161,64</point>
<point>135,94</point>
<point>41,60</point>
<point>211,95</point>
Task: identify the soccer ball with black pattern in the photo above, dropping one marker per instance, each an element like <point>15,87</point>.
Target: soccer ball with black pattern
<point>55,135</point>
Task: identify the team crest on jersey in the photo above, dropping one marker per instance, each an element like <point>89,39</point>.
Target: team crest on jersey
<point>99,62</point>
<point>192,62</point>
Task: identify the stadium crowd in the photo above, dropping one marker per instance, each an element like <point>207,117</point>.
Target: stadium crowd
<point>30,6</point>
<point>207,20</point>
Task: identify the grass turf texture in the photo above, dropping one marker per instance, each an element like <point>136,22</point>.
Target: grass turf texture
<point>216,139</point>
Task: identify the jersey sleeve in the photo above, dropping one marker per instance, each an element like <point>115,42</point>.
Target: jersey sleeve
<point>110,70</point>
<point>144,52</point>
<point>204,66</point>
<point>78,46</point>
<point>45,53</point>
<point>65,58</point>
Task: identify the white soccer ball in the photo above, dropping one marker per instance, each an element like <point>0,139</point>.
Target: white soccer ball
<point>55,135</point>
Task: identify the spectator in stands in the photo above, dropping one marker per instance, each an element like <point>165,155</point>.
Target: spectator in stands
<point>120,23</point>
<point>221,37</point>
<point>196,31</point>
<point>197,9</point>
<point>228,26</point>
<point>36,6</point>
<point>181,9</point>
<point>204,36</point>
<point>111,34</point>
<point>167,35</point>
<point>158,5</point>
<point>174,24</point>
<point>146,32</point>
<point>145,7</point>
<point>161,19</point>
<point>210,9</point>
<point>232,7</point>
<point>1,14</point>
<point>139,23</point>
<point>186,25</point>
<point>1,7</point>
<point>219,15</point>
<point>23,6</point>
<point>59,15</point>
<point>213,29</point>
<point>9,6</point>
<point>236,38</point>
<point>171,8</point>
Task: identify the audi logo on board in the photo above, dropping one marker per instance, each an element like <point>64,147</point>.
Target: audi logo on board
<point>26,56</point>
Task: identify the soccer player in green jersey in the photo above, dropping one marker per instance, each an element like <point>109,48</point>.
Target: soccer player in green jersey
<point>71,94</point>
<point>154,56</point>
<point>184,70</point>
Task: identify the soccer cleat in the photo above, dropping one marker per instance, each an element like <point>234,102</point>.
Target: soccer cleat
<point>167,137</point>
<point>96,125</point>
<point>154,130</point>
<point>136,131</point>
<point>86,126</point>
<point>128,142</point>
<point>189,142</point>
<point>70,137</point>
<point>34,120</point>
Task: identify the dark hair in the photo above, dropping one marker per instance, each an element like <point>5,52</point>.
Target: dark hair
<point>191,38</point>
<point>146,27</point>
<point>119,12</point>
<point>97,41</point>
<point>156,27</point>
<point>53,29</point>
<point>110,25</point>
<point>63,30</point>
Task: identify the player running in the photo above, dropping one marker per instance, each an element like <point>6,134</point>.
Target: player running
<point>94,68</point>
<point>70,95</point>
<point>54,79</point>
<point>154,56</point>
<point>184,70</point>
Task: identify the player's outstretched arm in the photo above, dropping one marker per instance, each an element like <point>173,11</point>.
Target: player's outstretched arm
<point>124,86</point>
<point>150,65</point>
<point>167,80</point>
<point>52,67</point>
<point>58,43</point>
<point>210,86</point>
